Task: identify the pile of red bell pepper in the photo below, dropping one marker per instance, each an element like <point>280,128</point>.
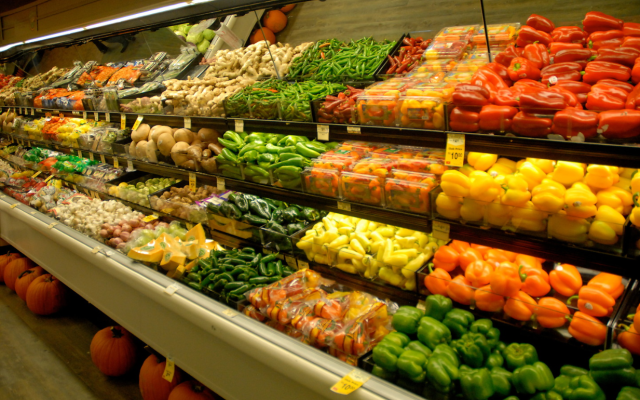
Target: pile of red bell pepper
<point>563,80</point>
<point>408,57</point>
<point>340,109</point>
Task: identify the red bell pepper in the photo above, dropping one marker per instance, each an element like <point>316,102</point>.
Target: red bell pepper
<point>470,95</point>
<point>569,97</point>
<point>633,100</point>
<point>619,124</point>
<point>606,44</point>
<point>464,119</point>
<point>542,101</point>
<point>631,41</point>
<point>506,98</point>
<point>580,89</point>
<point>489,79</point>
<point>500,70</point>
<point>508,54</point>
<point>521,68</point>
<point>528,35</point>
<point>597,70</point>
<point>604,35</point>
<point>570,122</point>
<point>566,70</point>
<point>623,55</point>
<point>496,118</point>
<point>530,83</point>
<point>568,34</point>
<point>540,23</point>
<point>581,56</point>
<point>597,21</point>
<point>631,29</point>
<point>627,87</point>
<point>520,89</point>
<point>604,97</point>
<point>635,72</point>
<point>557,46</point>
<point>537,53</point>
<point>529,125</point>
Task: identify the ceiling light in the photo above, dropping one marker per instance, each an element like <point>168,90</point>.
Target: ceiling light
<point>138,15</point>
<point>54,35</point>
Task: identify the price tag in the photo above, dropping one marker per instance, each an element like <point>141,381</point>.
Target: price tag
<point>130,165</point>
<point>80,153</point>
<point>351,382</point>
<point>323,132</point>
<point>354,129</point>
<point>33,212</point>
<point>454,155</point>
<point>84,115</point>
<point>229,312</point>
<point>20,110</point>
<point>192,182</point>
<point>51,225</point>
<point>13,205</point>
<point>150,218</point>
<point>107,117</point>
<point>39,110</point>
<point>189,225</point>
<point>303,264</point>
<point>239,125</point>
<point>33,112</point>
<point>440,230</point>
<point>75,187</point>
<point>102,159</point>
<point>116,163</point>
<point>95,250</point>
<point>421,305</point>
<point>220,183</point>
<point>344,206</point>
<point>47,115</point>
<point>291,261</point>
<point>91,156</point>
<point>267,251</point>
<point>169,370</point>
<point>96,116</point>
<point>60,115</point>
<point>171,289</point>
<point>75,112</point>
<point>36,174</point>
<point>187,122</point>
<point>137,123</point>
<point>28,143</point>
<point>123,121</point>
<point>49,178</point>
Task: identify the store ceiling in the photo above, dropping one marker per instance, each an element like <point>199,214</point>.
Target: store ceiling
<point>8,5</point>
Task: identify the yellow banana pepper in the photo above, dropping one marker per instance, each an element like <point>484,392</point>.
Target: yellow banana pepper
<point>481,161</point>
<point>531,174</point>
<point>580,201</point>
<point>497,214</point>
<point>567,228</point>
<point>484,189</point>
<point>612,218</point>
<point>503,166</point>
<point>548,196</point>
<point>568,173</point>
<point>616,198</point>
<point>466,169</point>
<point>546,166</point>
<point>529,218</point>
<point>472,210</point>
<point>448,207</point>
<point>388,275</point>
<point>455,183</point>
<point>516,193</point>
<point>601,176</point>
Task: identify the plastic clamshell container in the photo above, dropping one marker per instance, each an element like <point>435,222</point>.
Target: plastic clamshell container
<point>409,176</point>
<point>471,65</point>
<point>323,182</point>
<point>407,196</point>
<point>193,212</point>
<point>451,33</point>
<point>442,90</point>
<point>390,87</point>
<point>229,169</point>
<point>421,112</point>
<point>498,33</point>
<point>139,195</point>
<point>253,173</point>
<point>427,76</point>
<point>379,167</point>
<point>459,77</point>
<point>424,165</point>
<point>361,188</point>
<point>377,110</point>
<point>437,65</point>
<point>337,163</point>
<point>446,49</point>
<point>346,116</point>
<point>392,152</point>
<point>346,151</point>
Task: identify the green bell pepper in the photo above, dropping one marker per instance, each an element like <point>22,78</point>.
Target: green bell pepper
<point>519,354</point>
<point>629,393</point>
<point>613,367</point>
<point>501,379</point>
<point>386,354</point>
<point>398,338</point>
<point>550,395</point>
<point>485,326</point>
<point>581,387</point>
<point>458,321</point>
<point>437,306</point>
<point>534,378</point>
<point>472,349</point>
<point>411,364</point>
<point>407,319</point>
<point>476,384</point>
<point>383,373</point>
<point>432,332</point>
<point>442,369</point>
<point>501,347</point>
<point>415,345</point>
<point>495,359</point>
<point>570,370</point>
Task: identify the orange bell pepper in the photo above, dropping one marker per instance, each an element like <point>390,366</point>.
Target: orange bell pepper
<point>535,282</point>
<point>566,280</point>
<point>460,290</point>
<point>488,301</point>
<point>511,256</point>
<point>594,301</point>
<point>551,312</point>
<point>587,329</point>
<point>479,273</point>
<point>636,320</point>
<point>630,339</point>
<point>468,257</point>
<point>527,261</point>
<point>495,257</point>
<point>482,249</point>
<point>447,258</point>
<point>437,281</point>
<point>521,306</point>
<point>609,283</point>
<point>459,246</point>
<point>505,280</point>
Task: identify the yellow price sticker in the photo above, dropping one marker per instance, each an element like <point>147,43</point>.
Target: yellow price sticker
<point>351,382</point>
<point>47,115</point>
<point>116,163</point>
<point>123,121</point>
<point>102,159</point>
<point>138,122</point>
<point>220,185</point>
<point>440,230</point>
<point>239,125</point>
<point>80,153</point>
<point>454,155</point>
<point>96,116</point>
<point>49,178</point>
<point>303,264</point>
<point>36,174</point>
<point>187,122</point>
<point>192,182</point>
<point>84,115</point>
<point>91,156</point>
<point>169,370</point>
<point>13,205</point>
<point>107,117</point>
<point>149,218</point>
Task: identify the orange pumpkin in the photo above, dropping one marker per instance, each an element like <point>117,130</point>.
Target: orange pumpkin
<point>113,351</point>
<point>13,270</point>
<point>25,279</point>
<point>152,385</point>
<point>46,295</point>
<point>288,8</point>
<point>191,390</point>
<point>275,20</point>
<point>5,260</point>
<point>257,36</point>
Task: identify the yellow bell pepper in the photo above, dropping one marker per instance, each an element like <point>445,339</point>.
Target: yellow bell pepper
<point>466,169</point>
<point>627,172</point>
<point>455,183</point>
<point>635,182</point>
<point>481,161</point>
<point>580,201</point>
<point>548,196</point>
<point>497,214</point>
<point>529,218</point>
<point>568,173</point>
<point>546,166</point>
<point>484,189</point>
<point>532,174</point>
<point>634,217</point>
<point>601,232</point>
<point>601,176</point>
<point>624,184</point>
<point>616,198</point>
<point>448,206</point>
<point>503,166</point>
<point>567,228</point>
<point>472,210</point>
<point>612,218</point>
<point>516,192</point>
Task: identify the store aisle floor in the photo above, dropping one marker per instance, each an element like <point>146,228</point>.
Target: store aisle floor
<point>44,358</point>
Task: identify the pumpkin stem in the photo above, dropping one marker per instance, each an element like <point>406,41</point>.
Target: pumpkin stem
<point>159,357</point>
<point>25,273</point>
<point>198,388</point>
<point>117,333</point>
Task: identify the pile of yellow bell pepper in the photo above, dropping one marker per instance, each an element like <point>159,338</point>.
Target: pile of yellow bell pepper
<point>370,249</point>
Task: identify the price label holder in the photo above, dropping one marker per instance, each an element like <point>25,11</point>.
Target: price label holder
<point>13,206</point>
<point>189,225</point>
<point>192,182</point>
<point>107,117</point>
<point>33,112</point>
<point>171,289</point>
<point>80,153</point>
<point>239,125</point>
<point>84,115</point>
<point>354,130</point>
<point>229,312</point>
<point>91,157</point>
<point>291,261</point>
<point>96,116</point>
<point>36,174</point>
<point>303,264</point>
<point>137,123</point>
<point>95,250</point>
<point>49,178</point>
<point>75,113</point>
<point>454,155</point>
<point>344,206</point>
<point>421,305</point>
<point>102,159</point>
<point>130,165</point>
<point>323,132</point>
<point>440,230</point>
<point>169,369</point>
<point>116,163</point>
<point>51,225</point>
<point>123,121</point>
<point>220,184</point>
<point>187,122</point>
<point>351,382</point>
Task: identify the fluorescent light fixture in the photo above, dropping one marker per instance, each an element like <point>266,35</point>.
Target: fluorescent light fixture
<point>198,1</point>
<point>7,47</point>
<point>139,15</point>
<point>54,35</point>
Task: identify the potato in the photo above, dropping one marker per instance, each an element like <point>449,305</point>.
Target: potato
<point>183,135</point>
<point>188,165</point>
<point>208,135</point>
<point>179,153</point>
<point>151,151</point>
<point>158,130</point>
<point>194,153</point>
<point>165,143</point>
<point>141,150</point>
<point>142,133</point>
<point>132,149</point>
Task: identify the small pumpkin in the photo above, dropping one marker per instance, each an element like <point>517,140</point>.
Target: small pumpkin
<point>46,295</point>
<point>288,8</point>
<point>191,390</point>
<point>257,36</point>
<point>275,20</point>
<point>152,385</point>
<point>113,351</point>
<point>5,260</point>
<point>25,279</point>
<point>13,270</point>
